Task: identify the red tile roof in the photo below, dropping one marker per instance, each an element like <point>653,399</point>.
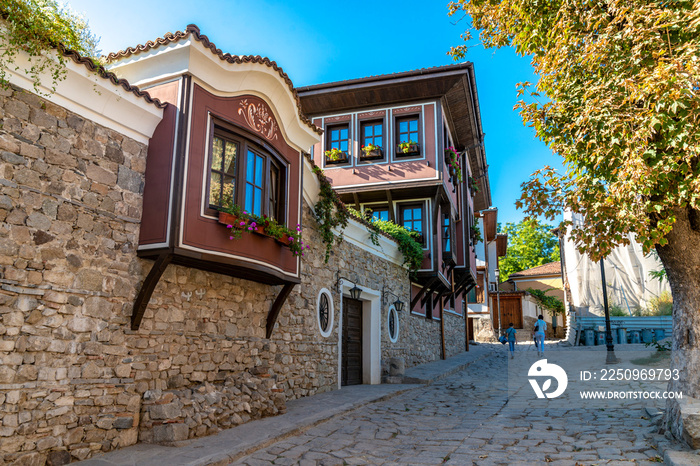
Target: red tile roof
<point>553,268</point>
<point>194,31</point>
<point>103,73</point>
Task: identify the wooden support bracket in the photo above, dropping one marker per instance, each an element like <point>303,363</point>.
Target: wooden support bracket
<point>149,284</point>
<point>276,307</point>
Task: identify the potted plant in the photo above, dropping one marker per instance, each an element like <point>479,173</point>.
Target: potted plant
<point>335,155</point>
<point>473,185</point>
<point>452,161</point>
<point>404,149</point>
<point>371,152</point>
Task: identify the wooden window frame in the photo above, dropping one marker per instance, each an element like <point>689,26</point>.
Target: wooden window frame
<point>378,207</point>
<point>397,134</point>
<point>329,143</point>
<point>247,142</point>
<point>424,225</point>
<point>361,139</point>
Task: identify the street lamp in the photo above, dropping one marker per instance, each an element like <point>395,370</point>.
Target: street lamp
<point>355,291</point>
<point>610,358</point>
<point>398,304</point>
<point>498,299</point>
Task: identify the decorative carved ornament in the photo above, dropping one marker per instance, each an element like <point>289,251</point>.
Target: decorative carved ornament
<point>407,110</point>
<point>372,114</point>
<point>259,119</point>
<point>338,118</point>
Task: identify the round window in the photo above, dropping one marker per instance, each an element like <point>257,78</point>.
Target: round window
<point>324,312</point>
<point>393,324</point>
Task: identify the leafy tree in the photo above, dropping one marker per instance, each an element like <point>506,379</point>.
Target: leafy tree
<point>529,244</point>
<point>35,27</point>
<point>621,81</point>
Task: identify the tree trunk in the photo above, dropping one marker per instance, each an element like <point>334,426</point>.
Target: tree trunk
<point>681,259</point>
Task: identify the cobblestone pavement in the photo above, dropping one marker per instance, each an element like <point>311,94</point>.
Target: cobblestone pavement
<point>469,419</point>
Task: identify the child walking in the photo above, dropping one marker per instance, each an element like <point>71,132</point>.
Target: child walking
<point>510,333</point>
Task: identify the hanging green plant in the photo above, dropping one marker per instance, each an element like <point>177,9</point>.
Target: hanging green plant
<point>329,211</point>
<point>407,240</point>
<point>452,161</point>
<point>36,27</point>
<point>476,233</point>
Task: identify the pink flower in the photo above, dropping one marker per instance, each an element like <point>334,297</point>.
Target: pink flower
<point>242,224</point>
<point>291,239</point>
<point>230,237</point>
<point>229,226</point>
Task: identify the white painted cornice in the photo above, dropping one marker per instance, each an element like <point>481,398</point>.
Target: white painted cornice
<point>92,97</point>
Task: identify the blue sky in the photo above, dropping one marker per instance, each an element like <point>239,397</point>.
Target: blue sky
<point>332,41</point>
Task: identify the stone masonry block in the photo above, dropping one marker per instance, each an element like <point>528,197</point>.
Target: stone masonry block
<point>165,411</point>
<point>690,418</point>
<point>169,433</point>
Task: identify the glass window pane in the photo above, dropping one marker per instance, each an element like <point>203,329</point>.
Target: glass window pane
<point>250,167</point>
<point>344,133</point>
<point>257,204</point>
<point>230,157</point>
<point>335,134</point>
<point>249,198</point>
<point>216,153</point>
<point>259,164</point>
<point>417,213</point>
<point>344,145</point>
<point>368,131</point>
<point>229,189</point>
<point>414,125</point>
<point>378,130</point>
<point>215,189</point>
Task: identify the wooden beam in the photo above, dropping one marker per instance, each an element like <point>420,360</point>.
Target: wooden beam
<point>390,201</point>
<point>149,284</point>
<point>420,294</point>
<point>276,307</point>
<point>356,198</point>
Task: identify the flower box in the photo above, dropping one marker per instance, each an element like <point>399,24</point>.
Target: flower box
<point>227,219</point>
<point>412,150</point>
<point>372,154</point>
<point>342,158</point>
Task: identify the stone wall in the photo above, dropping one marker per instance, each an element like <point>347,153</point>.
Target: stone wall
<point>70,205</point>
<point>74,379</point>
<point>483,330</point>
<point>418,342</point>
<point>455,334</point>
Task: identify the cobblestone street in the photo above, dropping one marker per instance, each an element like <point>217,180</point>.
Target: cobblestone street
<point>467,419</point>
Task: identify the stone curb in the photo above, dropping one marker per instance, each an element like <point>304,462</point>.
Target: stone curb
<point>303,414</point>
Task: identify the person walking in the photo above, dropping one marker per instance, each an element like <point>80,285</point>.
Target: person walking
<point>510,333</point>
<point>540,327</point>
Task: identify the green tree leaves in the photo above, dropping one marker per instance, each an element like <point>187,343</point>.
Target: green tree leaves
<point>529,244</point>
<point>622,85</point>
<point>35,27</point>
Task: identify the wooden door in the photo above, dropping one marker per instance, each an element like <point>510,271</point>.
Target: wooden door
<point>511,311</point>
<point>351,367</point>
<point>470,328</point>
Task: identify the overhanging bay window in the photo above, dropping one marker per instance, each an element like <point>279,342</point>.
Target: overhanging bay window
<point>244,173</point>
